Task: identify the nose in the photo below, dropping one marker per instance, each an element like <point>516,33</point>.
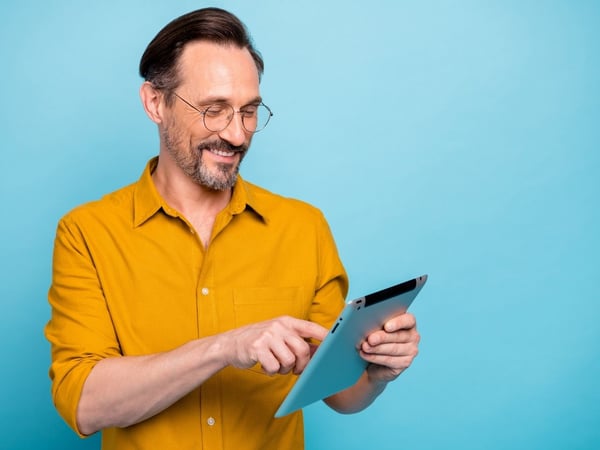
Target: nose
<point>234,133</point>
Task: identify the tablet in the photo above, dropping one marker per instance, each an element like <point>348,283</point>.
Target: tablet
<point>337,364</point>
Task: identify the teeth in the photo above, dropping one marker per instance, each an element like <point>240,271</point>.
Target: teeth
<point>222,153</point>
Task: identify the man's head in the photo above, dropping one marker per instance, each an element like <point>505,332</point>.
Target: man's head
<point>199,65</point>
<point>160,60</point>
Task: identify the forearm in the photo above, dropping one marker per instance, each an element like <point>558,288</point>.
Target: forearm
<point>357,397</point>
<point>126,390</point>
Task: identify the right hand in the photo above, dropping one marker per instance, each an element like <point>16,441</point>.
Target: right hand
<point>279,345</point>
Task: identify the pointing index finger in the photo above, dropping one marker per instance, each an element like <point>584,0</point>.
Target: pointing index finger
<point>307,329</point>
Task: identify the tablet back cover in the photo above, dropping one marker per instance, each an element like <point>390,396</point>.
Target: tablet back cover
<point>337,365</point>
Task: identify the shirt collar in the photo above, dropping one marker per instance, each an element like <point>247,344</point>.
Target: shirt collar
<point>244,198</point>
<point>147,200</point>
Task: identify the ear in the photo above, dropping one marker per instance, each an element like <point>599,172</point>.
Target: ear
<point>152,102</point>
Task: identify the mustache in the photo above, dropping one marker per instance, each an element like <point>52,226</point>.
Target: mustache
<point>220,144</point>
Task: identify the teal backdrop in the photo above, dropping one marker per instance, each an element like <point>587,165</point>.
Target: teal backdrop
<point>455,138</point>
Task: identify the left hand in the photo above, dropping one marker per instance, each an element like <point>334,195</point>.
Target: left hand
<point>392,349</point>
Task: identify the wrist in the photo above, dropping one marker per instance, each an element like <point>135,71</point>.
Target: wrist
<point>374,379</point>
<point>210,354</point>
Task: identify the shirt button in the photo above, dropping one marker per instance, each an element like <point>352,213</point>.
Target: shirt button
<point>205,291</point>
<point>211,421</point>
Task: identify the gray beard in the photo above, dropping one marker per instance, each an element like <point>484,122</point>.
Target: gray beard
<point>226,178</point>
<point>193,166</point>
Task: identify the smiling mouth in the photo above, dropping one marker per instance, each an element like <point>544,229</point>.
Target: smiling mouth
<point>219,152</point>
<point>222,148</point>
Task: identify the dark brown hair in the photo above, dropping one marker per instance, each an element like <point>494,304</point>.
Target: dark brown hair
<point>160,59</point>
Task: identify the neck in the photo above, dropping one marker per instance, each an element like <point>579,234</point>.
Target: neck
<point>195,202</point>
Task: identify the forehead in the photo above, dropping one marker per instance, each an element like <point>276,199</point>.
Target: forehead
<point>211,70</point>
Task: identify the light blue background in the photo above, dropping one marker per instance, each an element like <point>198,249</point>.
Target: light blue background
<point>459,139</point>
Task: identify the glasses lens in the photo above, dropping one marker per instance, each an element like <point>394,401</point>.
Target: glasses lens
<point>256,118</point>
<point>217,117</point>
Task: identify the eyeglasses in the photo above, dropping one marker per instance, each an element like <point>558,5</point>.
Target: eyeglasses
<point>218,116</point>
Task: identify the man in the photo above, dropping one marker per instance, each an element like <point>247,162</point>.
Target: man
<point>183,304</point>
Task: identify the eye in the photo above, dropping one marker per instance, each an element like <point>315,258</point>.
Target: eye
<point>249,111</point>
<point>216,110</point>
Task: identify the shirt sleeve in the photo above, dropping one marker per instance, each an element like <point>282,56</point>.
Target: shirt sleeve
<point>80,330</point>
<point>332,282</point>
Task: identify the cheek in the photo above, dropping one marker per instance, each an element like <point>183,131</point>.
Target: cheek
<point>186,129</point>
<point>171,131</point>
<point>197,136</point>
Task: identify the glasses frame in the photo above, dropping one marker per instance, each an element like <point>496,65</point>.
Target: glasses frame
<point>203,112</point>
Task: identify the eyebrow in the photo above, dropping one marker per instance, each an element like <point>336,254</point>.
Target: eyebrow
<point>212,100</point>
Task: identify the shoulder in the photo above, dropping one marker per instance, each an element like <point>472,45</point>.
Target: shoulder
<point>117,204</point>
<point>275,206</point>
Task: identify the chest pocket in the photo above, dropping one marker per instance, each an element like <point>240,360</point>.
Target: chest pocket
<point>257,304</point>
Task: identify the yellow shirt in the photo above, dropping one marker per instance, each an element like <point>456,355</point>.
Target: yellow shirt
<point>131,277</point>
